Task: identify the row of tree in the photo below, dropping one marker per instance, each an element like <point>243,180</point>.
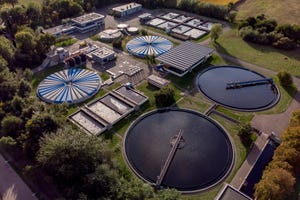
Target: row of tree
<point>265,31</point>
<point>279,177</point>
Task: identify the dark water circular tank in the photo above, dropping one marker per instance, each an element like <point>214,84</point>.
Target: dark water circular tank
<point>203,158</point>
<point>212,83</point>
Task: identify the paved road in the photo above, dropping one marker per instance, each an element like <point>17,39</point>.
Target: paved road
<point>12,187</point>
<point>278,122</point>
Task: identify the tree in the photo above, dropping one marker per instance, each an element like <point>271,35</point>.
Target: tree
<point>285,79</point>
<point>285,43</point>
<point>167,194</point>
<point>24,88</point>
<point>3,64</point>
<point>44,42</point>
<point>295,120</point>
<point>8,85</point>
<point>6,49</point>
<point>11,126</point>
<point>216,31</point>
<point>104,182</point>
<point>11,2</point>
<point>164,97</point>
<point>25,41</point>
<point>245,133</point>
<point>7,142</point>
<point>33,13</point>
<point>36,127</point>
<point>13,18</point>
<point>17,105</point>
<point>70,156</point>
<point>275,184</point>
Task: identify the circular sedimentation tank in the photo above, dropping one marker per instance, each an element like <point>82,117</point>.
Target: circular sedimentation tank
<point>109,35</point>
<point>203,157</point>
<point>133,30</point>
<point>148,45</point>
<point>238,88</point>
<point>70,86</point>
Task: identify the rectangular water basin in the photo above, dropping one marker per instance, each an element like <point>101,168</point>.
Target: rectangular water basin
<point>116,104</point>
<point>88,123</point>
<point>104,112</point>
<point>134,96</point>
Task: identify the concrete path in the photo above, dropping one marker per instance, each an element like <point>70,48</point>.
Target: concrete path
<point>277,122</point>
<point>12,187</point>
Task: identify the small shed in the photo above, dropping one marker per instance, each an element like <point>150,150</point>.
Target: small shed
<point>157,81</point>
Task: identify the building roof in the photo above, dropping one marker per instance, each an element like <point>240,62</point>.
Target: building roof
<point>103,52</point>
<point>145,15</point>
<point>59,29</point>
<point>230,193</point>
<point>126,7</point>
<point>87,18</point>
<point>185,55</point>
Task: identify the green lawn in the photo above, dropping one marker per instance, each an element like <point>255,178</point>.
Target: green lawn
<point>65,43</point>
<point>194,104</point>
<point>26,2</point>
<point>243,117</point>
<point>38,77</point>
<point>265,56</point>
<point>286,96</point>
<point>286,11</point>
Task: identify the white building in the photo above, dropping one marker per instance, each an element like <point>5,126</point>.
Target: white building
<point>127,9</point>
<point>81,24</point>
<point>103,55</point>
<point>89,22</point>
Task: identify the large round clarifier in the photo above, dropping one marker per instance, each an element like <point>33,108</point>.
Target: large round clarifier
<point>204,155</point>
<point>148,45</point>
<point>257,93</point>
<point>70,86</point>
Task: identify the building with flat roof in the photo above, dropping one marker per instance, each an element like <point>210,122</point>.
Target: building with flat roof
<point>127,9</point>
<point>185,57</point>
<point>89,22</point>
<point>61,30</point>
<point>230,193</point>
<point>81,24</point>
<point>103,55</point>
<point>157,81</point>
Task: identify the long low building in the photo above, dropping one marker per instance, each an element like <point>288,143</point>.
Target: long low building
<point>185,57</point>
<point>81,24</point>
<point>127,9</point>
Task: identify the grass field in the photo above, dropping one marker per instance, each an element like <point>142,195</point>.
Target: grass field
<point>265,56</point>
<point>286,11</point>
<point>221,2</point>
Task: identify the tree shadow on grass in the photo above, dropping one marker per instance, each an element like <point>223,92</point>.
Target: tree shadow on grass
<point>294,54</point>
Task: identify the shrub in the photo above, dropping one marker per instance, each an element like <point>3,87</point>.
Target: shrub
<point>245,133</point>
<point>7,142</point>
<point>164,97</point>
<point>11,126</point>
<point>285,43</point>
<point>144,32</point>
<point>291,31</point>
<point>269,25</point>
<point>117,43</point>
<point>285,78</point>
